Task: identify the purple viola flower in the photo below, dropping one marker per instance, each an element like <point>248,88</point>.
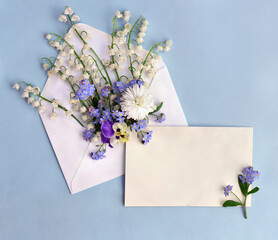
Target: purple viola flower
<point>106,131</point>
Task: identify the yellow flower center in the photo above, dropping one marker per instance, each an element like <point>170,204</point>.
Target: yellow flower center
<point>139,101</point>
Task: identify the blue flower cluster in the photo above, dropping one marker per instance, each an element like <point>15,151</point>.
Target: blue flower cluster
<point>140,125</point>
<point>97,155</point>
<point>136,81</point>
<point>94,112</point>
<point>119,116</point>
<point>161,118</point>
<point>119,87</point>
<point>106,115</point>
<point>147,137</point>
<point>88,134</point>
<point>105,92</point>
<point>249,175</point>
<point>86,89</point>
<point>227,189</point>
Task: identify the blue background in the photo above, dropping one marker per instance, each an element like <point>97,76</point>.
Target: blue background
<point>224,64</point>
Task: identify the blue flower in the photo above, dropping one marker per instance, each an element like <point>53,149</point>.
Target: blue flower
<point>140,125</point>
<point>117,113</point>
<point>105,92</point>
<point>100,105</point>
<point>98,155</point>
<point>94,112</point>
<point>119,86</point>
<point>106,115</point>
<point>120,119</point>
<point>147,137</point>
<point>227,189</point>
<point>249,175</point>
<point>86,89</point>
<point>134,126</point>
<point>136,81</point>
<point>242,178</point>
<point>161,118</point>
<point>88,134</point>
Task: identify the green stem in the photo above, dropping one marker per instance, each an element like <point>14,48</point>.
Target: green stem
<point>236,197</point>
<point>61,107</point>
<point>128,45</point>
<point>60,72</point>
<point>75,53</point>
<point>95,55</point>
<point>244,207</point>
<point>112,45</point>
<point>156,44</point>
<point>99,69</point>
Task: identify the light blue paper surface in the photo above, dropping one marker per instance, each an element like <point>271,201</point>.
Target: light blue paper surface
<point>224,65</point>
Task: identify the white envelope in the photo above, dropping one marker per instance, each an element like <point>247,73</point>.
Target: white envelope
<point>65,134</point>
<point>187,166</point>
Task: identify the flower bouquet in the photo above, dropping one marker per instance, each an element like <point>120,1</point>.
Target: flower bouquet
<point>109,104</point>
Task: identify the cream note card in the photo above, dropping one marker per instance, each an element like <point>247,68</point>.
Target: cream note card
<point>186,166</point>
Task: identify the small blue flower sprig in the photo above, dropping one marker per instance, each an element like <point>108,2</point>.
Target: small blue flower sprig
<point>244,181</point>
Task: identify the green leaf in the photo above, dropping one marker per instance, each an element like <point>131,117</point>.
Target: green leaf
<point>158,108</point>
<point>231,203</point>
<point>243,186</point>
<point>95,102</point>
<point>254,190</point>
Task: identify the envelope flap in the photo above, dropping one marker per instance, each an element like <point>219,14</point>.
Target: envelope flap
<point>163,89</point>
<point>66,139</point>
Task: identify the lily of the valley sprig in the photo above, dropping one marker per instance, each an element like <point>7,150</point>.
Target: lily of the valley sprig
<point>244,181</point>
<point>112,104</point>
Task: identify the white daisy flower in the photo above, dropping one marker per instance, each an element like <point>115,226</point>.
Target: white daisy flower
<point>137,102</point>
